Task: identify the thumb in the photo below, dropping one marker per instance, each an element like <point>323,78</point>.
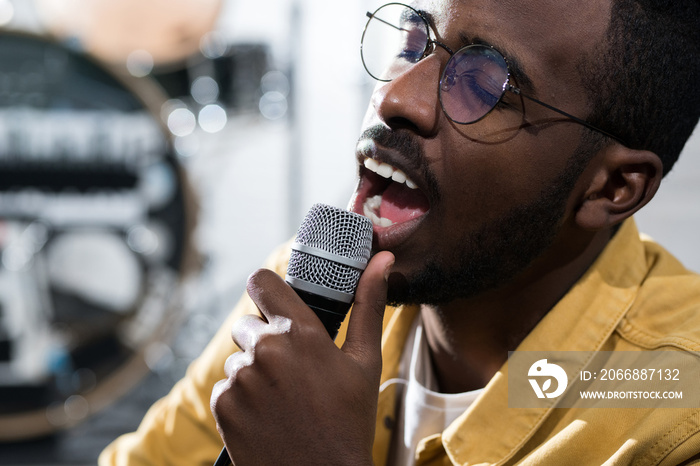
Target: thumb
<point>363,340</point>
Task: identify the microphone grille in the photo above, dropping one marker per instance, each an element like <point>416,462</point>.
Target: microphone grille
<point>336,232</point>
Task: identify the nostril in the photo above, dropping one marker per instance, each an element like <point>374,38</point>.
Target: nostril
<point>402,123</point>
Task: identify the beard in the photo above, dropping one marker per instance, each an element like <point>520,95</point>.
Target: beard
<point>496,253</point>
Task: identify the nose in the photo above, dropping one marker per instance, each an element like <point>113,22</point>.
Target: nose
<point>411,99</point>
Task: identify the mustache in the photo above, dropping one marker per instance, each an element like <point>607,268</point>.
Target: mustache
<point>400,141</point>
<point>404,143</point>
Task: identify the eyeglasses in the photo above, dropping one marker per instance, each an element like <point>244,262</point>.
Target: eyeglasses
<point>474,80</point>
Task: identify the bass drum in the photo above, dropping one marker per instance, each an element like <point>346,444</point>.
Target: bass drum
<point>95,223</point>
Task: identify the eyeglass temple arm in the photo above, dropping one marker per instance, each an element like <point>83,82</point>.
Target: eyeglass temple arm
<point>371,16</point>
<point>516,90</point>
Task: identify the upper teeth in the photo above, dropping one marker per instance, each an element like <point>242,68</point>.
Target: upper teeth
<point>387,171</point>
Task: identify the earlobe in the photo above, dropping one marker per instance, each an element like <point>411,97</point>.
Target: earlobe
<point>624,181</point>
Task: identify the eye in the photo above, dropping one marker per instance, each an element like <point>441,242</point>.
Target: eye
<point>475,89</point>
<point>479,87</point>
<point>473,79</point>
<point>414,37</point>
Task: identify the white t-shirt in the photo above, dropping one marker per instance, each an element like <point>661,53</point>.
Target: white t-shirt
<point>422,410</point>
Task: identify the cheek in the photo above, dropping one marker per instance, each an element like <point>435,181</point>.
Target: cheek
<point>482,182</point>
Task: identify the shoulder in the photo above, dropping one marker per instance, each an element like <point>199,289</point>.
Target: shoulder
<point>666,311</point>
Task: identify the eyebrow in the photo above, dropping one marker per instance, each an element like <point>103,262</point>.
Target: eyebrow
<point>517,71</point>
<point>515,67</point>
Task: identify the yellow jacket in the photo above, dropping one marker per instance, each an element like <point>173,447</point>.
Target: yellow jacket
<point>635,297</point>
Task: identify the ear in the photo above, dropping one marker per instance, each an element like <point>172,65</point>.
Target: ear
<point>623,182</point>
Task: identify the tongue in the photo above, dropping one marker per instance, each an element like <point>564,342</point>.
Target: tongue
<point>401,203</point>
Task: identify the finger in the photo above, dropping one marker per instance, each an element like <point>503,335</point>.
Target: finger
<point>246,331</point>
<point>216,395</point>
<point>236,362</point>
<point>275,299</point>
<point>363,341</point>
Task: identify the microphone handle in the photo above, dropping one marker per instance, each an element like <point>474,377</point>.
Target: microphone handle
<point>223,459</point>
<point>331,312</point>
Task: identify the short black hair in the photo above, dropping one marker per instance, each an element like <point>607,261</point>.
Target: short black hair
<point>642,82</point>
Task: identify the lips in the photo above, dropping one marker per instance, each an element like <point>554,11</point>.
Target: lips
<point>389,198</point>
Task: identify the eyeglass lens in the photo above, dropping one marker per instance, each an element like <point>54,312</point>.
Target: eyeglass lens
<point>396,37</point>
<point>473,82</point>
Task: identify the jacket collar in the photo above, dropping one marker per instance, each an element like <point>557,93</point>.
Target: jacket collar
<point>490,432</point>
<point>582,321</point>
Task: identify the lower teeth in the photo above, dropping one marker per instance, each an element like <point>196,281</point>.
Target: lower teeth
<point>370,206</point>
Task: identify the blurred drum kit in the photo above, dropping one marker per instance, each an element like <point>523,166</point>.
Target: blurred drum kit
<point>96,214</point>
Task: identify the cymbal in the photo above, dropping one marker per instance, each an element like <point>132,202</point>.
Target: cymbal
<point>169,30</point>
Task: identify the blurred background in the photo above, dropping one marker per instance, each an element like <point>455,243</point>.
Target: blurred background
<point>152,154</point>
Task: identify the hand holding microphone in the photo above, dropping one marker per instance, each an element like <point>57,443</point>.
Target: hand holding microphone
<point>292,396</point>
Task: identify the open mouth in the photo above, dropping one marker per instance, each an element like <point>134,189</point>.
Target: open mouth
<point>388,197</point>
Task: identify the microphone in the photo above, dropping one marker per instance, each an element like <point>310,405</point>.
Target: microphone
<point>330,252</point>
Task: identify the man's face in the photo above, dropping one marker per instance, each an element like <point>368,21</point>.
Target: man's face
<point>491,196</point>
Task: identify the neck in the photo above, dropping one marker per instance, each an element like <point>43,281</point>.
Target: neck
<point>469,339</point>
